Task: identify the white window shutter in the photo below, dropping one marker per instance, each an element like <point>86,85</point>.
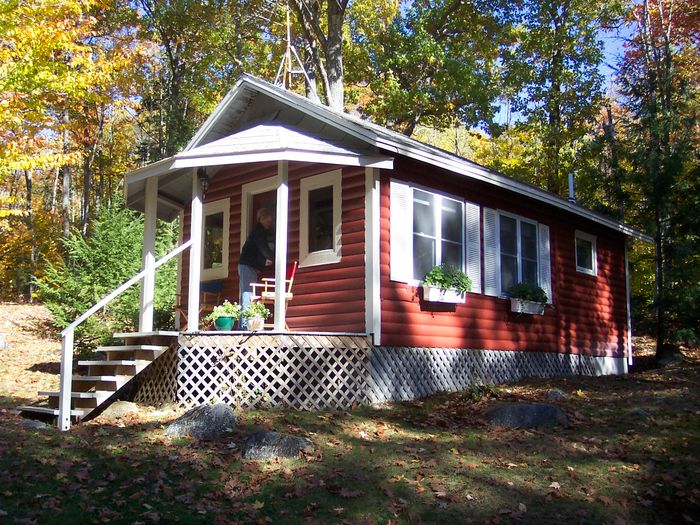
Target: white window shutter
<point>492,274</point>
<point>545,269</point>
<point>401,232</point>
<point>473,258</point>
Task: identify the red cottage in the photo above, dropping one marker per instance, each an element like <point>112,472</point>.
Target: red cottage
<point>367,213</point>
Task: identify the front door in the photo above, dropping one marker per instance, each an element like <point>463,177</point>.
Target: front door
<point>267,200</point>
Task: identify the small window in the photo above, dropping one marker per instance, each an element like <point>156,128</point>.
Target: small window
<point>215,228</point>
<point>586,253</point>
<point>320,202</point>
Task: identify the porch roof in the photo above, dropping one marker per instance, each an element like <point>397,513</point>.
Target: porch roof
<point>259,143</point>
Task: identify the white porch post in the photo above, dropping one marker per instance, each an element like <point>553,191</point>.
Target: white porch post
<point>148,284</point>
<point>372,276</point>
<point>195,255</point>
<point>281,243</point>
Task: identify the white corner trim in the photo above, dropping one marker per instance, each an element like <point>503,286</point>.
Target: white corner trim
<point>373,312</point>
<point>210,208</point>
<point>333,255</point>
<point>628,291</point>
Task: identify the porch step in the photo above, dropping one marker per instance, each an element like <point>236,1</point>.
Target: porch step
<point>141,335</point>
<point>115,362</point>
<point>76,412</point>
<point>106,377</point>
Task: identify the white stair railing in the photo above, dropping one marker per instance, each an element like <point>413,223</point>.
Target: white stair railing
<point>68,335</point>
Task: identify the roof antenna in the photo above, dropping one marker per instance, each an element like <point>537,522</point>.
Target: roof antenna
<point>286,69</point>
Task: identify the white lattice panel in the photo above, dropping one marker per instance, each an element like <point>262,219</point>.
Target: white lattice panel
<point>308,372</point>
<point>157,383</point>
<point>409,373</point>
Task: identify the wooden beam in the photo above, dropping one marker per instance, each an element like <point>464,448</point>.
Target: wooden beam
<point>281,243</point>
<point>195,255</point>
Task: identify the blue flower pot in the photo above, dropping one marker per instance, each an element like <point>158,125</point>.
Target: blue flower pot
<point>223,324</point>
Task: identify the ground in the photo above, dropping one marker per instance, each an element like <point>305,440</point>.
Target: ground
<point>631,455</point>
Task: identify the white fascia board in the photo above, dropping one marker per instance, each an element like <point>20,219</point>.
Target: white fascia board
<point>289,155</point>
<point>152,170</point>
<point>482,174</point>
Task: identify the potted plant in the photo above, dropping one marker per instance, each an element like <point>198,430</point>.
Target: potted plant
<point>253,316</point>
<point>446,284</point>
<point>527,298</point>
<point>224,315</point>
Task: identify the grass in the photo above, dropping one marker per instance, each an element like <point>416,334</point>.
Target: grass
<point>429,461</point>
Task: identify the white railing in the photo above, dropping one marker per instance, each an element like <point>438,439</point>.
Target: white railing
<point>67,335</point>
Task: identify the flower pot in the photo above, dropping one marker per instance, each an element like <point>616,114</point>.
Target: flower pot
<point>256,323</point>
<point>438,295</point>
<point>523,306</point>
<point>224,324</point>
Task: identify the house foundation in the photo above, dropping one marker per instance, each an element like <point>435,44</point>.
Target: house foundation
<point>305,371</point>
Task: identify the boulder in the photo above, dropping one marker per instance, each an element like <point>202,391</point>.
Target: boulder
<point>526,415</point>
<point>33,424</point>
<point>265,445</point>
<point>555,395</point>
<point>640,413</point>
<point>119,409</point>
<point>203,422</point>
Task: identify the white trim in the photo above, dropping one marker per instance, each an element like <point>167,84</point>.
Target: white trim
<point>178,283</point>
<point>594,256</point>
<point>372,254</point>
<point>281,243</point>
<point>248,191</point>
<point>148,258</point>
<point>628,291</point>
<point>210,208</point>
<point>330,256</point>
<point>377,161</point>
<point>195,255</point>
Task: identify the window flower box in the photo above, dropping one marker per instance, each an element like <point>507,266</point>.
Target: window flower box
<point>523,306</point>
<point>435,294</point>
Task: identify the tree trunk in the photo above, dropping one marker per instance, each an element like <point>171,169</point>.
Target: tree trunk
<point>30,227</point>
<point>66,179</point>
<point>334,55</point>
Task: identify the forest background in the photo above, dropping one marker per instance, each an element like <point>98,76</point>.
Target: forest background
<point>90,89</point>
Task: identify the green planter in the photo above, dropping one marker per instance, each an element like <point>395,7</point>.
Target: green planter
<point>224,324</point>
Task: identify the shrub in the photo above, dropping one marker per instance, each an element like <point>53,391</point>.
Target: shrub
<point>98,263</point>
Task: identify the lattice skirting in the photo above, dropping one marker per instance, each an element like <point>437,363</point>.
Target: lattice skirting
<point>316,372</point>
<point>410,373</point>
<point>307,372</point>
<point>157,384</point>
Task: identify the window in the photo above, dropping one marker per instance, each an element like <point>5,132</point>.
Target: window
<point>215,228</point>
<point>586,253</point>
<point>518,251</point>
<point>438,232</point>
<point>320,220</point>
<point>427,229</point>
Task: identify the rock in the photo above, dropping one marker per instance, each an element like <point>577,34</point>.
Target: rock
<point>555,395</point>
<point>119,409</point>
<point>640,413</point>
<point>526,415</point>
<point>3,342</point>
<point>269,445</point>
<point>203,422</point>
<point>33,424</point>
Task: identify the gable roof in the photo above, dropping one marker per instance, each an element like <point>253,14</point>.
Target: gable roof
<point>252,103</point>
